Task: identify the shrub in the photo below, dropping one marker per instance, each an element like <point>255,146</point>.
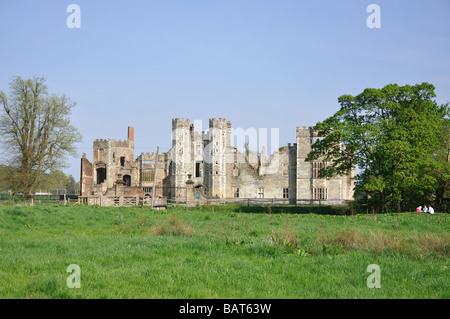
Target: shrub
<point>349,239</point>
<point>175,226</point>
<point>379,242</point>
<point>286,237</point>
<point>433,244</point>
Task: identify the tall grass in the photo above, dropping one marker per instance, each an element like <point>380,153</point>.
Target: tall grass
<point>175,226</point>
<point>378,242</point>
<point>286,237</point>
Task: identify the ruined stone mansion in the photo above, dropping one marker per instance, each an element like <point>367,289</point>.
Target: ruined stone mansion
<point>208,163</point>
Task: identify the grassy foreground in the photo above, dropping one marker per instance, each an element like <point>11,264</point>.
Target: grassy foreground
<point>220,252</point>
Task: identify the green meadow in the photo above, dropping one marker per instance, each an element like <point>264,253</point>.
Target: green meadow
<point>221,252</point>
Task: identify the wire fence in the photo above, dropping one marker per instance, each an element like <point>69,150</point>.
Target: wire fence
<point>6,199</point>
<point>173,196</point>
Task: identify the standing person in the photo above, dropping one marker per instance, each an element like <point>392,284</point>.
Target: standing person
<point>431,210</point>
<point>425,209</point>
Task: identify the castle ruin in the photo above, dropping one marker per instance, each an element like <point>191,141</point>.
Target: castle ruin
<point>208,165</point>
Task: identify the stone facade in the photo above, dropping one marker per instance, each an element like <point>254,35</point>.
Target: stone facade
<point>207,163</point>
<point>113,161</point>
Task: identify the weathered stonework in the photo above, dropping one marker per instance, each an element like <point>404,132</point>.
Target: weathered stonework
<point>215,169</point>
<point>87,176</point>
<point>113,161</point>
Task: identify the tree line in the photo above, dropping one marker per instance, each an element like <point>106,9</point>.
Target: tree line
<point>53,182</point>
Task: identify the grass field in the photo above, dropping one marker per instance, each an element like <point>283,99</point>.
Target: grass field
<point>220,252</point>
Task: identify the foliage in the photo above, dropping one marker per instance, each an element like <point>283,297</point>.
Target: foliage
<point>36,131</point>
<point>395,136</point>
<point>3,178</point>
<point>56,179</point>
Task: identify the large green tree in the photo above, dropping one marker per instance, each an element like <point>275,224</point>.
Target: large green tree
<point>393,136</point>
<point>441,169</point>
<point>36,131</point>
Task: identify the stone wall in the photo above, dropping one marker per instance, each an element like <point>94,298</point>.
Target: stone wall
<point>146,163</point>
<point>86,176</point>
<point>265,179</point>
<point>309,186</point>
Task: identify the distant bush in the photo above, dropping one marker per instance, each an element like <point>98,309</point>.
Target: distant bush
<point>175,226</point>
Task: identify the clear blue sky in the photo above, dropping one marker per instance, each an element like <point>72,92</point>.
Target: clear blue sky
<point>259,63</point>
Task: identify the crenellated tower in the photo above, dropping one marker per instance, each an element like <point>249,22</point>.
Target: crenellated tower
<point>113,160</point>
<point>182,155</point>
<point>217,146</point>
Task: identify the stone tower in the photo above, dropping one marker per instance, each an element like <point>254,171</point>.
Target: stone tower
<point>304,169</point>
<point>217,146</point>
<point>182,155</point>
<point>113,160</point>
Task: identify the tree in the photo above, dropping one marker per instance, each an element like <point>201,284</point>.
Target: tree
<point>53,181</point>
<point>3,178</point>
<point>71,185</point>
<point>36,131</point>
<point>441,170</point>
<point>392,135</point>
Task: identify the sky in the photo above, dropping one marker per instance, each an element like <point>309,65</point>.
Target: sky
<point>263,64</point>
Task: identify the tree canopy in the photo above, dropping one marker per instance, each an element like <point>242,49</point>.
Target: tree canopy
<point>398,138</point>
<point>36,132</point>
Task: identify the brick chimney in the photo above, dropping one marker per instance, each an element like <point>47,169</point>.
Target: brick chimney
<point>130,133</point>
